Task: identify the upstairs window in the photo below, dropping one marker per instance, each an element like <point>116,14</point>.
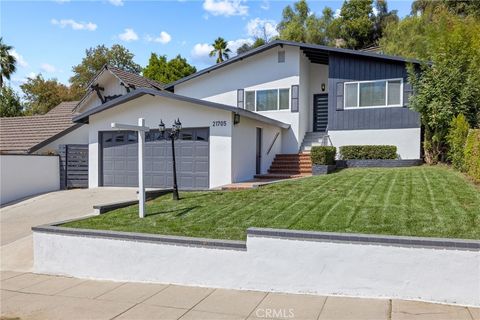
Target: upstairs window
<point>267,100</point>
<point>373,94</point>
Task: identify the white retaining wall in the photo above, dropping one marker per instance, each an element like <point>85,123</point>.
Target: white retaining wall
<point>26,175</point>
<point>271,264</point>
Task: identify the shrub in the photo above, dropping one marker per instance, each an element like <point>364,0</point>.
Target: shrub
<point>456,138</point>
<point>472,154</point>
<point>323,155</point>
<point>367,152</point>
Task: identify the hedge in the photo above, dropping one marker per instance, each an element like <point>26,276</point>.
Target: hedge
<point>472,154</point>
<point>368,152</point>
<point>323,155</point>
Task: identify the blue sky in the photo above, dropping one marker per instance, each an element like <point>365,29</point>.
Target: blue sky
<point>50,37</point>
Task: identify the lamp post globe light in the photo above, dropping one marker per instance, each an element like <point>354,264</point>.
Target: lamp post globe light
<point>172,135</point>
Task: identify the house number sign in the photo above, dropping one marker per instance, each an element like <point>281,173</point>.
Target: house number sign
<point>219,123</point>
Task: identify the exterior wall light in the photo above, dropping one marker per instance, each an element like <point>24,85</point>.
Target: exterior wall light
<point>323,86</point>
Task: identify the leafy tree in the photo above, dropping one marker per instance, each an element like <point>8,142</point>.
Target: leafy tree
<point>449,85</point>
<point>457,136</point>
<point>356,24</point>
<point>247,47</point>
<point>9,103</point>
<point>220,49</point>
<point>7,62</point>
<point>459,7</point>
<point>95,58</point>
<point>383,18</point>
<point>161,70</point>
<point>42,95</point>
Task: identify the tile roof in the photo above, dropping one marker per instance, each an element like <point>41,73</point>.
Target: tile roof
<point>25,134</point>
<point>134,80</point>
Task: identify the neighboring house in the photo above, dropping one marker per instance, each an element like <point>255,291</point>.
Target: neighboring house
<point>237,115</point>
<point>42,134</point>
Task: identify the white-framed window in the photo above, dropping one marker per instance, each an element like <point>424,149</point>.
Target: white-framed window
<point>267,100</point>
<point>373,94</point>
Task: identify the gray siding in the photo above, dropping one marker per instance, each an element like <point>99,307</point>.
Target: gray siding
<point>344,68</point>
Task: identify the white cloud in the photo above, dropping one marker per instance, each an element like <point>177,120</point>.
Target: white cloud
<point>48,68</point>
<point>233,45</point>
<point>375,11</point>
<point>74,24</point>
<point>201,52</point>
<point>163,38</point>
<point>225,8</point>
<point>337,13</point>
<point>261,28</point>
<point>265,5</point>
<point>116,3</point>
<point>20,60</point>
<point>128,35</point>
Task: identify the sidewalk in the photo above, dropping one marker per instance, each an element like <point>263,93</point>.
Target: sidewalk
<point>35,296</point>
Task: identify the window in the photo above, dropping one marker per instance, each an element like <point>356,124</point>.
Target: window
<point>373,94</point>
<point>267,100</point>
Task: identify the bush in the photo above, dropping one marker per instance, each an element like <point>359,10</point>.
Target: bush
<point>457,135</point>
<point>472,154</point>
<point>367,152</point>
<point>323,155</point>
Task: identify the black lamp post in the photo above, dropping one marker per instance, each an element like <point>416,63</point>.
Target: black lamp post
<point>173,135</point>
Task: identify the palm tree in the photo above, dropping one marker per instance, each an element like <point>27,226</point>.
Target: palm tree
<point>220,49</point>
<point>7,62</point>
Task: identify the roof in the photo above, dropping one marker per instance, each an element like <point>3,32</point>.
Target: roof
<point>30,133</point>
<point>134,80</point>
<point>316,51</point>
<point>83,118</point>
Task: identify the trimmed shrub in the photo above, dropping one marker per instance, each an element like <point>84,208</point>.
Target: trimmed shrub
<point>368,152</point>
<point>457,135</point>
<point>472,154</point>
<point>323,155</point>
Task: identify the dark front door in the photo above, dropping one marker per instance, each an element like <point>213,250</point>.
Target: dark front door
<point>259,151</point>
<point>320,112</point>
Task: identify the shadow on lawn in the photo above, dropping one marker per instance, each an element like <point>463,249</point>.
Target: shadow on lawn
<point>176,212</point>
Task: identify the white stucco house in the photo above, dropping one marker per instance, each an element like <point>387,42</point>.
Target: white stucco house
<point>239,115</point>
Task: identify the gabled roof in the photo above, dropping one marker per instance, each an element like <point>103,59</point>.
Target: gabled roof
<point>134,80</point>
<point>83,118</point>
<point>30,133</point>
<point>324,51</point>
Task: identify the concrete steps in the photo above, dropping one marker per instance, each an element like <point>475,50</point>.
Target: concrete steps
<point>312,139</point>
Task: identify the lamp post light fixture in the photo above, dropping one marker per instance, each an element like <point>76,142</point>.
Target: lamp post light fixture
<point>172,135</point>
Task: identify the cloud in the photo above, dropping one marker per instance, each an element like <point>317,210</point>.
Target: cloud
<point>261,28</point>
<point>233,45</point>
<point>74,24</point>
<point>201,52</point>
<point>128,35</point>
<point>48,68</point>
<point>117,3</point>
<point>337,13</point>
<point>163,38</point>
<point>375,11</point>
<point>20,60</point>
<point>225,8</point>
<point>265,5</point>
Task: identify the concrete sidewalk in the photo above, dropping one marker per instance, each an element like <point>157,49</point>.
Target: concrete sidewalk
<point>34,296</point>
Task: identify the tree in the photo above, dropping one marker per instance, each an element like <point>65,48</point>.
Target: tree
<point>42,95</point>
<point>7,62</point>
<point>456,138</point>
<point>161,70</point>
<point>459,7</point>
<point>356,24</point>
<point>383,18</point>
<point>9,103</point>
<point>220,49</point>
<point>247,47</point>
<point>95,58</point>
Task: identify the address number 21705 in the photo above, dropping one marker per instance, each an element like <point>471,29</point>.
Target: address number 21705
<point>219,123</point>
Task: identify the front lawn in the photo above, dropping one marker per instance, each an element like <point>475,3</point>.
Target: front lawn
<point>419,201</point>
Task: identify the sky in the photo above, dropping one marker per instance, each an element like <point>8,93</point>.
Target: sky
<point>49,37</point>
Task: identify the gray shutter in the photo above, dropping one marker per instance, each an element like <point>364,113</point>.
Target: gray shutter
<point>240,97</point>
<point>407,93</point>
<point>339,96</point>
<point>294,97</point>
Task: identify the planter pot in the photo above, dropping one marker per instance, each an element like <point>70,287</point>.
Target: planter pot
<point>318,169</point>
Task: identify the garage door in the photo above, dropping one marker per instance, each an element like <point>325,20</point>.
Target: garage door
<point>120,159</point>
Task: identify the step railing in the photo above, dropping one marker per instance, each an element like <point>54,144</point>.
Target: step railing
<point>273,142</point>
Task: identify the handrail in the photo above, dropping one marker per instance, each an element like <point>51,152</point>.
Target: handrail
<point>273,142</point>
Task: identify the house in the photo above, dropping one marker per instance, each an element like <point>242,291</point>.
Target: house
<point>241,114</point>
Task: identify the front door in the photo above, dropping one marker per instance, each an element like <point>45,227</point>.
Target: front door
<point>259,151</point>
<point>320,112</point>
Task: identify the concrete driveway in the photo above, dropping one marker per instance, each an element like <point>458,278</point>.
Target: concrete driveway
<point>16,220</point>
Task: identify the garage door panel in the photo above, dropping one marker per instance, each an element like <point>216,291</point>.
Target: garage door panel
<point>120,159</point>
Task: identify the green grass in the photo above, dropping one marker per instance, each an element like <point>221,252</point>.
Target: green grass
<point>419,201</point>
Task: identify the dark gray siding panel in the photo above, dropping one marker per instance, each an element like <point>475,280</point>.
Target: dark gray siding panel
<point>346,68</point>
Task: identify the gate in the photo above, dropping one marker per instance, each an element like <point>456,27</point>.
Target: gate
<point>73,166</point>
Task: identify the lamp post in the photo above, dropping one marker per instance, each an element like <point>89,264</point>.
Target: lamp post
<point>173,135</point>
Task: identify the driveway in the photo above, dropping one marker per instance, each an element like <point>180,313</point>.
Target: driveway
<point>16,220</point>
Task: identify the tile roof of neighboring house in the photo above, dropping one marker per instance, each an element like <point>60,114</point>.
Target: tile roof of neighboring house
<point>134,80</point>
<point>28,134</point>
